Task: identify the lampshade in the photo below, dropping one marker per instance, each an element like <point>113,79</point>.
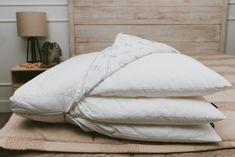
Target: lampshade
<point>31,24</point>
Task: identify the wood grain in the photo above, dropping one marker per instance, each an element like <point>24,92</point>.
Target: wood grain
<point>223,26</point>
<point>174,3</point>
<point>147,15</point>
<point>184,47</point>
<point>160,33</point>
<point>72,48</point>
<point>191,26</point>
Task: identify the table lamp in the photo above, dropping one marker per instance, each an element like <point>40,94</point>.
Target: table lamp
<point>32,25</point>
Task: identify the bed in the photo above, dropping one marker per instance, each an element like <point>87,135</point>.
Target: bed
<point>196,28</point>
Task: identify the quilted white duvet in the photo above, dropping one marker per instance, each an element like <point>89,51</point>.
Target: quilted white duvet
<point>135,89</point>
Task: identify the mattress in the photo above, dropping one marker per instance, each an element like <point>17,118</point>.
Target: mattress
<point>21,134</point>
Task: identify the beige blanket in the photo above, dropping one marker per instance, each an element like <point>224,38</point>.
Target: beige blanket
<point>23,134</point>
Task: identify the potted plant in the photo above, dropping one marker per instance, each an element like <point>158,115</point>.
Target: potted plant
<point>51,53</point>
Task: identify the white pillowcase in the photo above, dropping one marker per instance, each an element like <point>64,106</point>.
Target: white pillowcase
<point>52,91</point>
<point>177,133</point>
<point>160,133</point>
<point>170,111</point>
<point>162,75</point>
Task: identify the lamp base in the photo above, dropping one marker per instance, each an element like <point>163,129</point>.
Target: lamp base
<point>33,46</point>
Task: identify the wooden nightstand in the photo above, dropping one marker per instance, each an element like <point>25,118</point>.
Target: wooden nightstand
<point>21,75</point>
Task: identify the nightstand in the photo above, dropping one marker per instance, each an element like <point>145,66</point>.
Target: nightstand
<point>21,75</point>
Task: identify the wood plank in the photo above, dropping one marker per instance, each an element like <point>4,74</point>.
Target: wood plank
<point>224,70</point>
<point>223,26</point>
<point>220,62</point>
<point>160,33</point>
<point>214,57</point>
<point>82,48</point>
<point>196,47</point>
<point>148,3</point>
<point>148,15</point>
<point>72,48</point>
<point>230,78</point>
<point>222,96</point>
<point>184,47</point>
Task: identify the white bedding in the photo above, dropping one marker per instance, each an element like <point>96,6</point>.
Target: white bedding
<point>131,68</point>
<point>162,75</point>
<point>163,133</point>
<point>170,111</point>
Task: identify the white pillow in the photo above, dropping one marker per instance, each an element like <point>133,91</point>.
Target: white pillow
<point>162,75</point>
<point>170,111</point>
<point>52,91</point>
<point>160,133</point>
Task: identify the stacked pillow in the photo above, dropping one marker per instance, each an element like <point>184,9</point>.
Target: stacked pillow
<point>135,89</point>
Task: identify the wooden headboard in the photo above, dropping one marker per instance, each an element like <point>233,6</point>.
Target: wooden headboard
<point>191,26</point>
